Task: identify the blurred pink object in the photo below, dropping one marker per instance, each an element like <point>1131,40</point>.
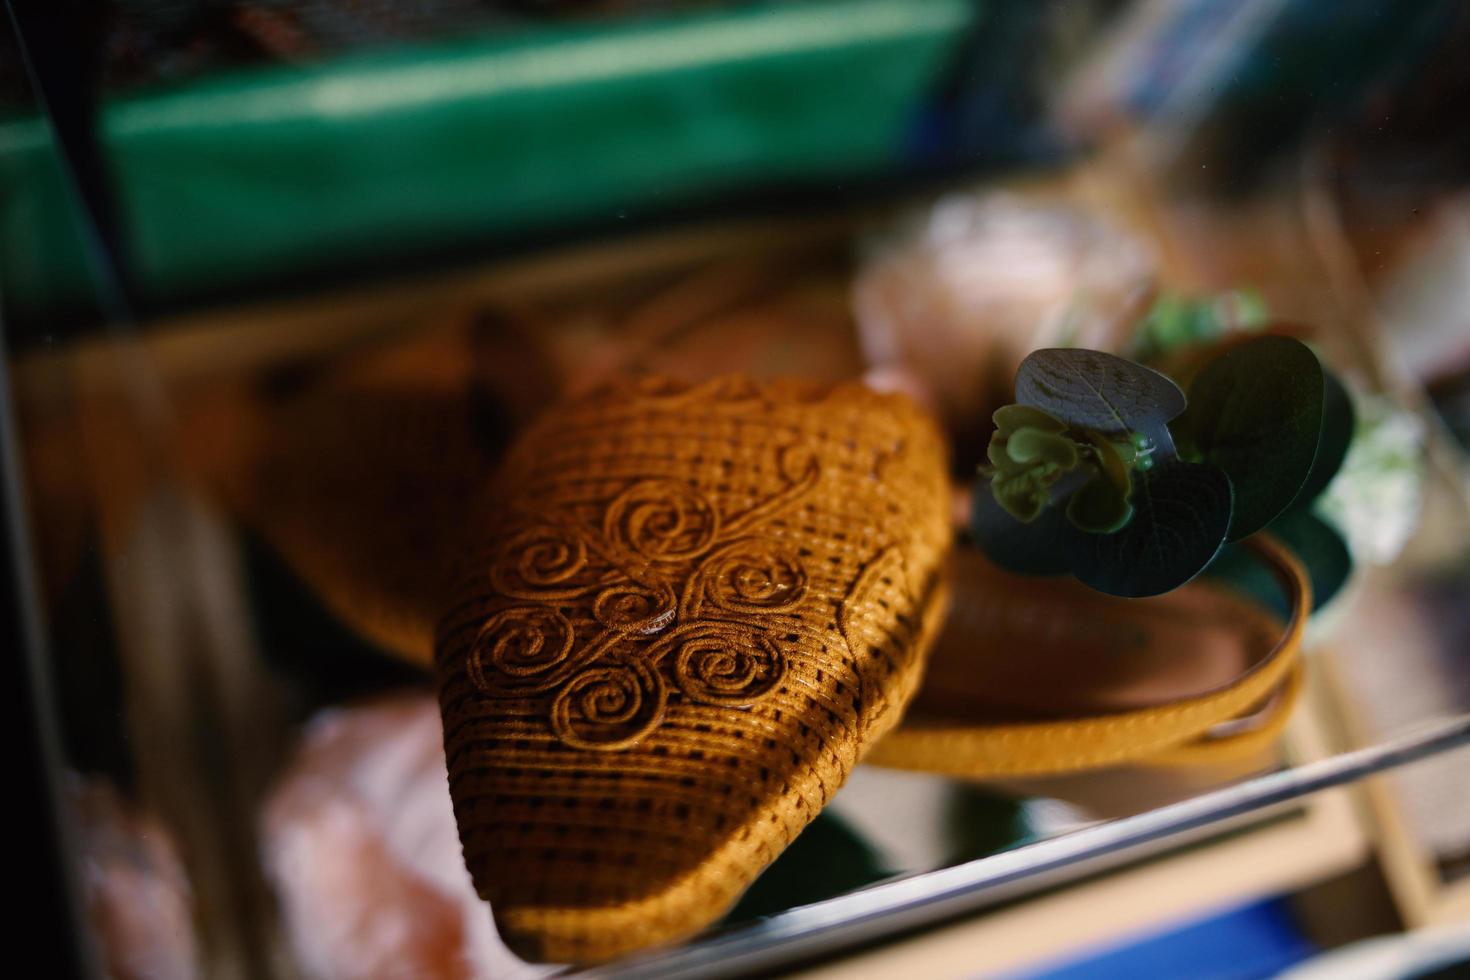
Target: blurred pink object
<point>957,303</point>
<point>134,885</point>
<point>360,841</point>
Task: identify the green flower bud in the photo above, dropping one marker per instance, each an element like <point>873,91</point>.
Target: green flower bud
<point>1031,445</point>
<point>1023,495</point>
<point>1009,418</point>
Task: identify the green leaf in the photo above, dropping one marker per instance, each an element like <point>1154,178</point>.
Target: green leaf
<point>1170,324</point>
<point>1315,542</point>
<point>1098,507</point>
<point>1102,505</point>
<point>1256,413</point>
<point>1338,423</point>
<point>1321,548</point>
<point>1176,322</point>
<point>1037,548</point>
<point>1088,389</point>
<point>1181,513</point>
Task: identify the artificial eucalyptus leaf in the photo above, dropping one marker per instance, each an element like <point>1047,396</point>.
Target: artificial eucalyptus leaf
<point>1315,542</point>
<point>1088,389</point>
<point>1338,421</point>
<point>1256,413</point>
<point>1037,548</point>
<point>1181,513</point>
<point>1099,507</point>
<point>1321,548</point>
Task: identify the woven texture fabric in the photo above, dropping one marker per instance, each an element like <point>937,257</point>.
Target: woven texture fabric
<point>696,610</point>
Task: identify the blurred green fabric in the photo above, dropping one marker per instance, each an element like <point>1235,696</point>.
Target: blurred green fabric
<point>253,177</point>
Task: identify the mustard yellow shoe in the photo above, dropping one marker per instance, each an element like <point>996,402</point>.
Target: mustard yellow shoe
<point>695,610</point>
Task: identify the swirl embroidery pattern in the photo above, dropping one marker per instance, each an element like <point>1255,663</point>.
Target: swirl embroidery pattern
<point>680,594</point>
<point>684,613</point>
